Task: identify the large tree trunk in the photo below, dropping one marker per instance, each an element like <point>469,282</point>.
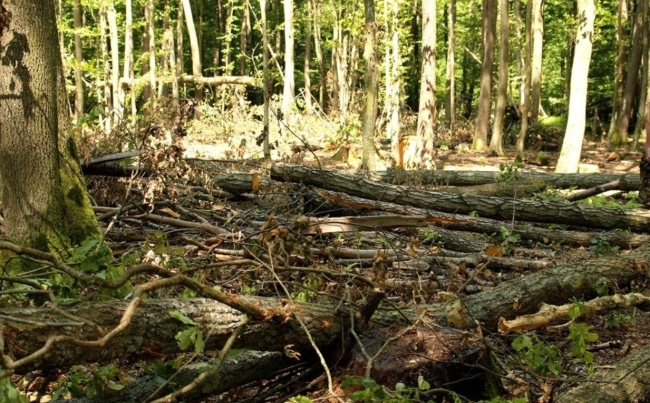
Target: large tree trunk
<point>496,142</point>
<point>492,207</point>
<point>621,57</point>
<point>485,96</point>
<point>44,196</point>
<point>427,109</point>
<point>369,114</point>
<point>642,114</point>
<point>575,129</point>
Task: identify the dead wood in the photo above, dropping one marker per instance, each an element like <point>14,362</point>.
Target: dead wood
<point>516,188</point>
<point>545,211</point>
<point>152,329</point>
<point>626,382</point>
<point>594,191</point>
<point>248,366</point>
<point>629,182</point>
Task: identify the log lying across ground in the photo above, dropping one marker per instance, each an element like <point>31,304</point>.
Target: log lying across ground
<point>543,211</point>
<point>629,182</point>
<point>153,330</point>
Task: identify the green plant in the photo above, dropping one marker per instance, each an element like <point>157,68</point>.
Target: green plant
<point>88,381</point>
<point>368,391</point>
<point>615,320</point>
<point>538,355</point>
<point>509,171</point>
<point>603,247</point>
<point>191,336</point>
<point>580,334</point>
<point>602,286</point>
<point>9,393</point>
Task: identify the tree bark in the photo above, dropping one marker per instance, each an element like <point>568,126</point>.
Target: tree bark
<point>44,196</point>
<point>117,114</point>
<point>426,135</point>
<point>491,207</point>
<point>369,114</point>
<point>149,37</point>
<point>450,75</point>
<point>197,70</point>
<point>642,114</point>
<point>485,97</point>
<point>575,129</point>
<point>288,92</point>
<point>79,59</point>
<point>496,142</point>
<point>536,67</point>
<point>525,107</point>
<point>621,57</point>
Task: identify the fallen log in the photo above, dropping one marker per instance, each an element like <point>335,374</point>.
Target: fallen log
<point>545,211</point>
<point>629,182</point>
<point>626,382</point>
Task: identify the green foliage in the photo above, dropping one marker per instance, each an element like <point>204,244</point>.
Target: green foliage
<point>193,336</point>
<point>368,391</point>
<point>580,334</point>
<point>92,254</point>
<point>509,171</point>
<point>9,393</point>
<point>88,381</point>
<point>631,202</point>
<point>538,355</point>
<point>602,286</point>
<point>603,247</point>
<point>311,284</point>
<point>616,320</point>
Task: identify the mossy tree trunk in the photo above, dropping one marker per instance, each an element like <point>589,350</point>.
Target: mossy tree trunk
<point>44,196</point>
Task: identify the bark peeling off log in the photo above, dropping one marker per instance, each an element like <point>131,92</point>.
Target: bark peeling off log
<point>152,329</point>
<point>546,211</point>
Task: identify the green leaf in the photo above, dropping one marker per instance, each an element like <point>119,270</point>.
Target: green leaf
<point>179,316</point>
<point>185,338</point>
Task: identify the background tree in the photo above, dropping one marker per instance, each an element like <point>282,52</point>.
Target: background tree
<point>450,73</point>
<point>537,28</point>
<point>427,109</point>
<point>489,17</point>
<point>575,129</point>
<point>496,142</point>
<point>289,81</point>
<point>44,196</point>
<point>371,88</point>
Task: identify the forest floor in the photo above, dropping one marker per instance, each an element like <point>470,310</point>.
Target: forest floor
<point>227,139</point>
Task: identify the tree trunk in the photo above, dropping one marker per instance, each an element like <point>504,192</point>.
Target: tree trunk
<point>575,130</point>
<point>150,46</point>
<point>525,109</point>
<point>450,75</point>
<point>631,81</point>
<point>485,98</point>
<point>369,116</point>
<point>621,57</point>
<point>118,108</point>
<point>244,37</point>
<point>129,65</point>
<point>197,70</point>
<point>496,143</point>
<point>557,212</point>
<point>265,80</point>
<point>44,196</point>
<point>79,59</point>
<point>642,115</point>
<point>105,98</point>
<point>226,56</point>
<point>519,54</point>
<point>393,80</point>
<point>426,134</point>
<point>536,66</point>
<point>318,47</point>
<point>288,92</point>
<point>307,65</point>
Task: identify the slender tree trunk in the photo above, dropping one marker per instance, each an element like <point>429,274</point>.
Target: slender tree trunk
<point>575,130</point>
<point>485,98</point>
<point>44,197</point>
<point>79,59</point>
<point>631,81</point>
<point>425,151</point>
<point>129,69</point>
<point>118,107</point>
<point>519,53</point>
<point>265,80</point>
<point>496,143</point>
<point>197,70</point>
<point>166,67</point>
<point>227,67</point>
<point>536,78</point>
<point>619,84</point>
<point>180,60</point>
<point>521,140</point>
<point>306,66</point>
<point>393,79</point>
<point>288,92</point>
<point>106,96</point>
<point>244,37</point>
<point>369,116</point>
<point>450,75</point>
<point>322,77</point>
<point>642,115</point>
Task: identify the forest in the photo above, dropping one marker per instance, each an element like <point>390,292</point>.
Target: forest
<point>324,201</point>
